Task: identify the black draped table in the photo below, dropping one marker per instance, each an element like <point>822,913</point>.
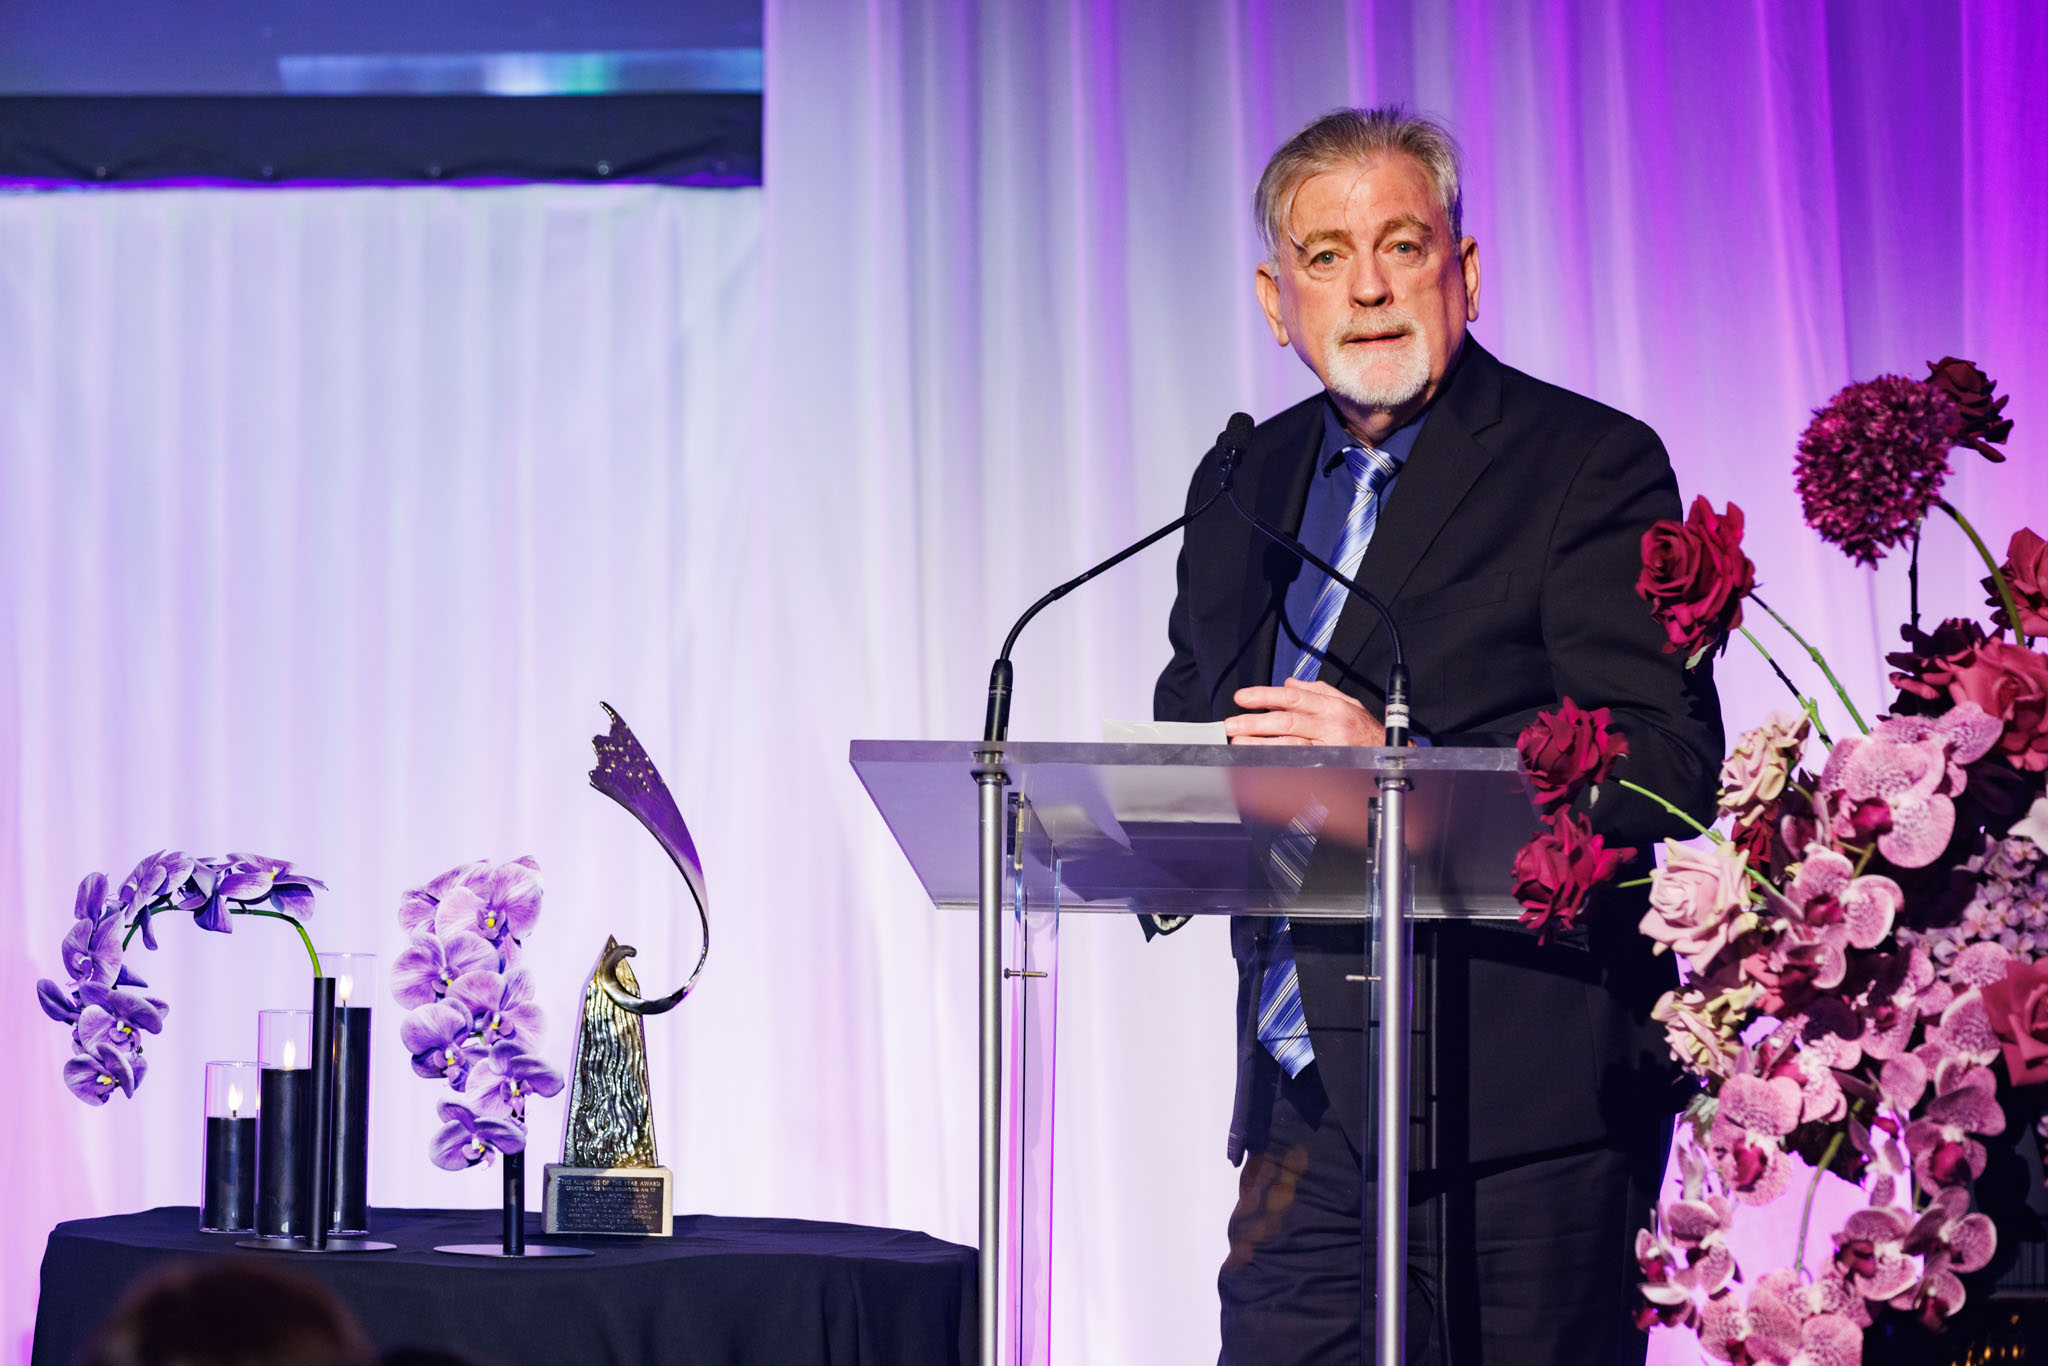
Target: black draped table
<point>721,1292</point>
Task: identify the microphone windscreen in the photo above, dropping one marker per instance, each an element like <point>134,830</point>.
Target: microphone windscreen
<point>1237,433</point>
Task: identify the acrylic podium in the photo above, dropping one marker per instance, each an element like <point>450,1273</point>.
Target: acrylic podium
<point>1167,830</point>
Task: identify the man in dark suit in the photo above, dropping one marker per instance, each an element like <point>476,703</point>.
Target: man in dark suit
<point>1501,519</point>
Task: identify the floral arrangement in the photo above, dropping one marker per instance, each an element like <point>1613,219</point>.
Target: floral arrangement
<point>1863,929</point>
<point>471,1019</point>
<point>102,998</point>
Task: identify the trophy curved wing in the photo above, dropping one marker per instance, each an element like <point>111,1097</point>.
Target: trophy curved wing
<point>626,775</point>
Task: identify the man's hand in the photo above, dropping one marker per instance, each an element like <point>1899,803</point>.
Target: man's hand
<point>1302,714</point>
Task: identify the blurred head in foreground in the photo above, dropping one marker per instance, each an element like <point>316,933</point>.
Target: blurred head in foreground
<point>228,1313</point>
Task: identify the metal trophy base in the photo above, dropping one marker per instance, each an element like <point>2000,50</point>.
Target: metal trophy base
<point>613,1200</point>
<point>498,1250</point>
<point>262,1244</point>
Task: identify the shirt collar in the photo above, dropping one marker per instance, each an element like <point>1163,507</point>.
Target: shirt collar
<point>1396,447</point>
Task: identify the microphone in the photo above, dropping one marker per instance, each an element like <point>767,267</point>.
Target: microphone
<point>995,726</point>
<point>1236,435</point>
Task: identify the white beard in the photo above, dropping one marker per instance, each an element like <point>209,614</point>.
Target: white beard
<point>1383,382</point>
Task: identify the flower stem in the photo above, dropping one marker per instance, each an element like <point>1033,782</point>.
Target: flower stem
<point>1913,580</point>
<point>1806,1212</point>
<point>304,938</point>
<point>1819,659</point>
<point>1711,833</point>
<point>1806,704</point>
<point>2012,611</point>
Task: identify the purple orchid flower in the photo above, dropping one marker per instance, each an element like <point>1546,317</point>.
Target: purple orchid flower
<point>116,1017</point>
<point>468,1138</point>
<point>499,1007</point>
<point>509,1076</point>
<point>427,967</point>
<point>57,1003</point>
<point>93,1076</point>
<point>92,950</point>
<point>252,878</point>
<point>90,904</point>
<point>442,1046</point>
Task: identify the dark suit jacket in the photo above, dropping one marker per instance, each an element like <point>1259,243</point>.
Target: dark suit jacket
<point>1508,553</point>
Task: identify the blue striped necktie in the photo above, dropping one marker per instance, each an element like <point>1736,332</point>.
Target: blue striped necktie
<point>1283,1027</point>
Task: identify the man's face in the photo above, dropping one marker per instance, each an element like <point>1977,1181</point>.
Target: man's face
<point>1371,290</point>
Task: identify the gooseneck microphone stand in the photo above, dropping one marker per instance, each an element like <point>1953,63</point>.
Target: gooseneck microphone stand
<point>990,779</point>
<point>1389,1314</point>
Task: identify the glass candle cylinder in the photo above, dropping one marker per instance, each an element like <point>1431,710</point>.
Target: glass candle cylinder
<point>284,1139</point>
<point>227,1180</point>
<point>355,989</point>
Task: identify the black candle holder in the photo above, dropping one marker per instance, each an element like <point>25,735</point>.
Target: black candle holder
<point>227,1179</point>
<point>306,1165</point>
<point>512,1241</point>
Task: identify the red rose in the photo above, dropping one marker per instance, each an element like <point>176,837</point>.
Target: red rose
<point>2018,1007</point>
<point>1568,750</point>
<point>1695,577</point>
<point>1971,389</point>
<point>1556,872</point>
<point>2009,682</point>
<point>2026,573</point>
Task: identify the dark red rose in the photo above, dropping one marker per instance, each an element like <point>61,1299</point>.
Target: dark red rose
<point>2011,683</point>
<point>1556,872</point>
<point>1979,421</point>
<point>2018,1007</point>
<point>1568,750</point>
<point>1928,664</point>
<point>2026,573</point>
<point>1695,577</point>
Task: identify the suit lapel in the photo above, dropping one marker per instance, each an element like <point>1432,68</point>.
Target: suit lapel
<point>1276,488</point>
<point>1441,469</point>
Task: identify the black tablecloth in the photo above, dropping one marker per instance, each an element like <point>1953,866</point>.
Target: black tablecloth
<point>721,1292</point>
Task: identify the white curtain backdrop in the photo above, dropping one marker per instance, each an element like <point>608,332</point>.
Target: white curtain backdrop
<point>328,516</point>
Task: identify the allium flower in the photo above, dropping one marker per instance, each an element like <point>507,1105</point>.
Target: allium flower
<point>467,1138</point>
<point>508,1077</point>
<point>1699,901</point>
<point>1566,751</point>
<point>429,965</point>
<point>1979,425</point>
<point>1754,773</point>
<point>1872,462</point>
<point>1695,577</point>
<point>1556,872</point>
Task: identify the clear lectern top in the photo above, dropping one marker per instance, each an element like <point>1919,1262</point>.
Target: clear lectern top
<point>1183,829</point>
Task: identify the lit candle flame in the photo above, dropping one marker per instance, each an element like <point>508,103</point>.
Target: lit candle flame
<point>344,987</point>
<point>291,1053</point>
<point>234,1100</point>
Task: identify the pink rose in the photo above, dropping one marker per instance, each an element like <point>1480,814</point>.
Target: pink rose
<point>2011,683</point>
<point>2018,1007</point>
<point>1696,899</point>
<point>2026,573</point>
<point>1568,750</point>
<point>1754,773</point>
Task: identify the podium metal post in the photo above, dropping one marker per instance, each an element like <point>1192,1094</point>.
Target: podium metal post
<point>990,780</point>
<point>1391,1271</point>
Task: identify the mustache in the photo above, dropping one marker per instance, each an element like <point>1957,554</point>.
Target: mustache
<point>1381,322</point>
